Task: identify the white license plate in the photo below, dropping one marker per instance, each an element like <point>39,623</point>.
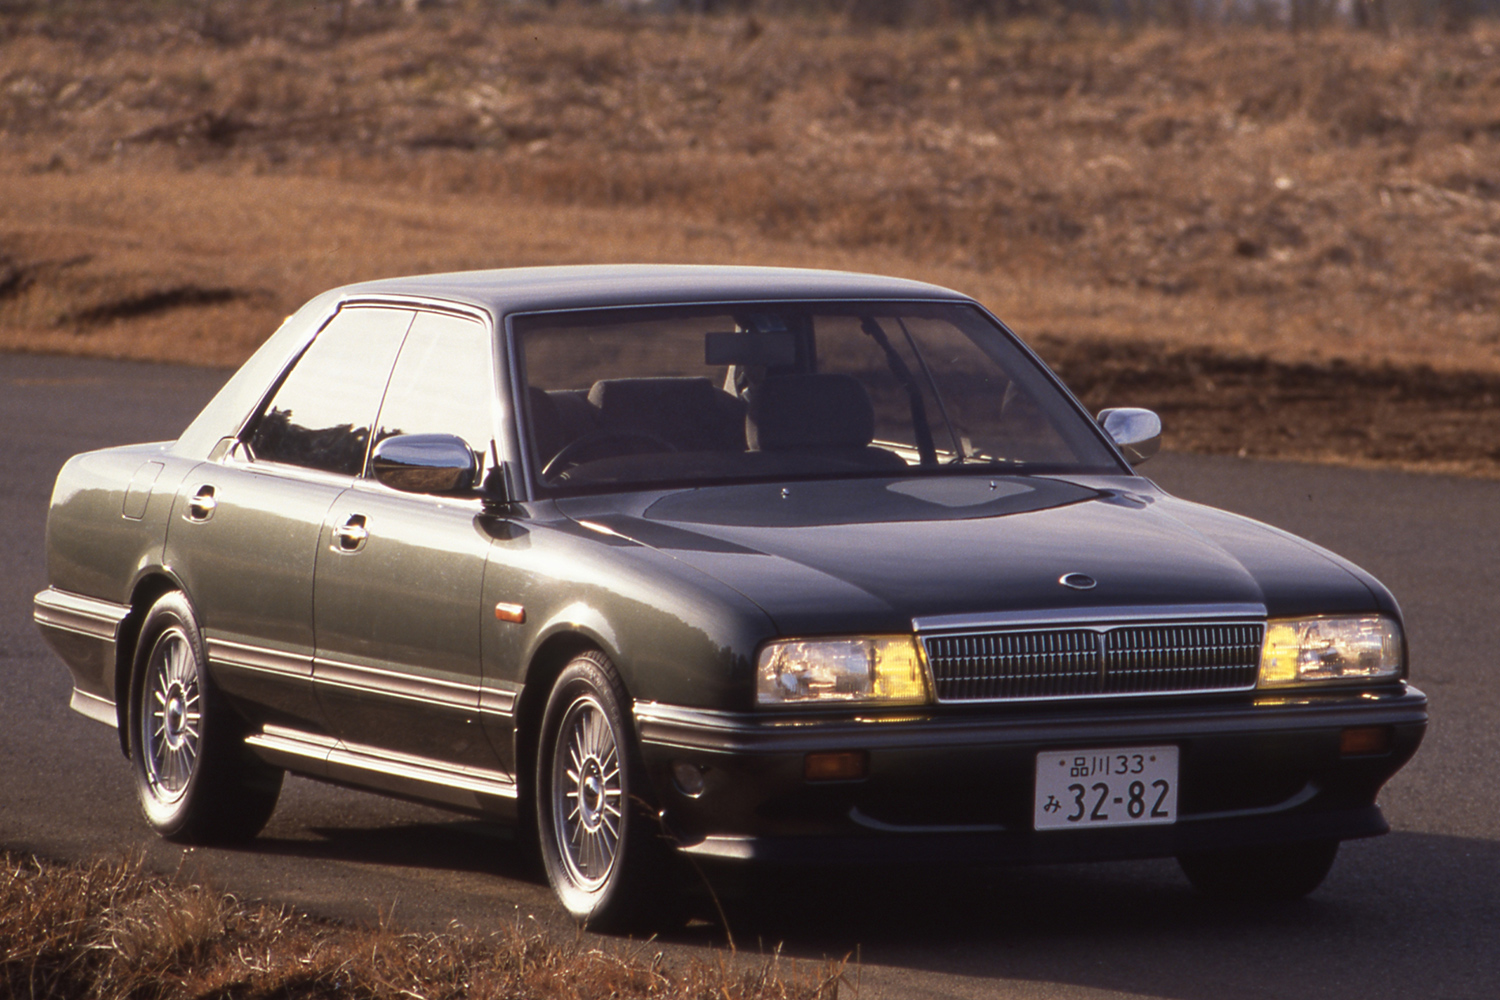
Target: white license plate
<point>1109,786</point>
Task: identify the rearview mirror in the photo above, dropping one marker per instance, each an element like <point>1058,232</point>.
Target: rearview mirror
<point>1136,432</point>
<point>769,349</point>
<point>424,463</point>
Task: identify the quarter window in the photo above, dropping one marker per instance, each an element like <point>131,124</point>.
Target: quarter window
<point>321,414</point>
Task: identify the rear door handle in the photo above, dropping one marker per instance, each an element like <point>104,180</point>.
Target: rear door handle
<point>201,507</point>
<point>351,535</point>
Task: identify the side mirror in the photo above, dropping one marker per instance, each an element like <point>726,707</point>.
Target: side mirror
<point>424,463</point>
<point>1135,432</point>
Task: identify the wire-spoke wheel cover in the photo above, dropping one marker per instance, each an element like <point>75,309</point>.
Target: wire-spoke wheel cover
<point>171,717</point>
<point>587,793</point>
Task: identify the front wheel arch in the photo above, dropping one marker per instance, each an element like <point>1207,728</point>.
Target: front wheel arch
<point>549,660</point>
<point>587,767</point>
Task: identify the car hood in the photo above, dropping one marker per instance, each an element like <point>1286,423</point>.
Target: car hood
<point>875,554</point>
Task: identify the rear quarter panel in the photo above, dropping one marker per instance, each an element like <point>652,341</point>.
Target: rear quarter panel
<point>95,550</point>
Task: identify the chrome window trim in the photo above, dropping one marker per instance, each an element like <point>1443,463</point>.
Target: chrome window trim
<point>517,374</point>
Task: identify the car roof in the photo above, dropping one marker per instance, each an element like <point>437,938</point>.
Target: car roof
<point>541,289</point>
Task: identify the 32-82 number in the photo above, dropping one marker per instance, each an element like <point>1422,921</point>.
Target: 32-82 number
<point>1137,799</point>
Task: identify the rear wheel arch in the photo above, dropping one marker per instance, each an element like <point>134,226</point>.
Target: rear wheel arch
<point>147,591</point>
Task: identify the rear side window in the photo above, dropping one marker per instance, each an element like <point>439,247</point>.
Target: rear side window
<point>443,383</point>
<point>321,414</point>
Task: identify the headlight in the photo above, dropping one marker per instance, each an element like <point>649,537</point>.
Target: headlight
<point>1323,650</point>
<point>882,669</point>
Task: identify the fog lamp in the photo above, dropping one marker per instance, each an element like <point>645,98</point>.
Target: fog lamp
<point>688,778</point>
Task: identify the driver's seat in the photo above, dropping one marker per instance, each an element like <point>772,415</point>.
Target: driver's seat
<point>690,414</point>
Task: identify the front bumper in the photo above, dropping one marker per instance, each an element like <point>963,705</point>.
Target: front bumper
<point>1253,770</point>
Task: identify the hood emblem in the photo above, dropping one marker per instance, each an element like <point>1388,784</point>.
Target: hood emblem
<point>1078,581</point>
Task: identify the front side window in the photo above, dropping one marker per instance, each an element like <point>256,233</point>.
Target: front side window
<point>442,384</point>
<point>321,414</point>
<point>697,395</point>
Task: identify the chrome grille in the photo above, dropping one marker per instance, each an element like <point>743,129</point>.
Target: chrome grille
<point>1021,665</point>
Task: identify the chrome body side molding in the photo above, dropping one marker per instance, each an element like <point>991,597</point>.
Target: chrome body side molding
<point>90,616</point>
<point>367,765</point>
<point>393,684</point>
<point>94,707</point>
<point>258,659</point>
<point>498,702</point>
<point>362,678</point>
<point>85,634</point>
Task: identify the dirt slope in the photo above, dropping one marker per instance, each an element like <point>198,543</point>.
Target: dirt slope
<point>1313,220</point>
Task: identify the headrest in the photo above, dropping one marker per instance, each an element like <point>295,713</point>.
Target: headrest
<point>685,411</point>
<point>809,411</point>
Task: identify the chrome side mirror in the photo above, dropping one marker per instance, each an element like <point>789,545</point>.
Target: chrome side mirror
<point>1137,433</point>
<point>424,463</point>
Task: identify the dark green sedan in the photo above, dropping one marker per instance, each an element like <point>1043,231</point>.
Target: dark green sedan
<point>753,564</point>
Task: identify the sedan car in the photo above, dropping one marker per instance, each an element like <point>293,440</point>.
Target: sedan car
<point>753,564</point>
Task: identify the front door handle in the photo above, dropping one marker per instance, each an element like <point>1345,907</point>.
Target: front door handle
<point>351,535</point>
<point>201,507</point>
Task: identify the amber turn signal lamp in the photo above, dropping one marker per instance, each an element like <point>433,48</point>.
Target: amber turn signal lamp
<point>846,765</point>
<point>510,613</point>
<point>1364,740</point>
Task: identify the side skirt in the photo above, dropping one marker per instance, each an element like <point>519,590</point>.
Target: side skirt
<point>327,758</point>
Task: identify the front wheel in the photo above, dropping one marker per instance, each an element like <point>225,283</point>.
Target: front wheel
<point>194,778</point>
<point>1279,872</point>
<point>599,843</point>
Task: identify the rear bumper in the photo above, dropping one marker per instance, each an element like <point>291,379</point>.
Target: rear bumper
<point>1252,771</point>
<point>84,632</point>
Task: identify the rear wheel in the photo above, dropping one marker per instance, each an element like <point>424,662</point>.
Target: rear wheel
<point>195,780</point>
<point>600,844</point>
<point>1282,871</point>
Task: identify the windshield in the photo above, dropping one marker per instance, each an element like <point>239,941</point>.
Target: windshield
<point>698,395</point>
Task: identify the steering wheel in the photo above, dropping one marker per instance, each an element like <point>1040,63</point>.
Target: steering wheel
<point>581,450</point>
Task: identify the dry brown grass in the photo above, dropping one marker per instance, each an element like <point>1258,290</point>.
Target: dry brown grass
<point>178,176</point>
<point>110,930</point>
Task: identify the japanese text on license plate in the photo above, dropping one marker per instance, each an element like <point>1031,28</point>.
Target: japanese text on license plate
<point>1107,786</point>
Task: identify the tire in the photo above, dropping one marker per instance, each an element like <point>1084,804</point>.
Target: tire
<point>194,778</point>
<point>599,839</point>
<point>1280,872</point>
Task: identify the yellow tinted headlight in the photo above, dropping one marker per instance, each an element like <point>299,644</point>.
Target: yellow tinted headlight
<point>1324,650</point>
<point>867,669</point>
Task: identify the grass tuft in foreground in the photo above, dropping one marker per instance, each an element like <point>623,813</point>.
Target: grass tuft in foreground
<point>109,930</point>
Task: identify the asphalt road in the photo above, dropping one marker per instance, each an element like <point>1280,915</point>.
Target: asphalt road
<point>1415,913</point>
